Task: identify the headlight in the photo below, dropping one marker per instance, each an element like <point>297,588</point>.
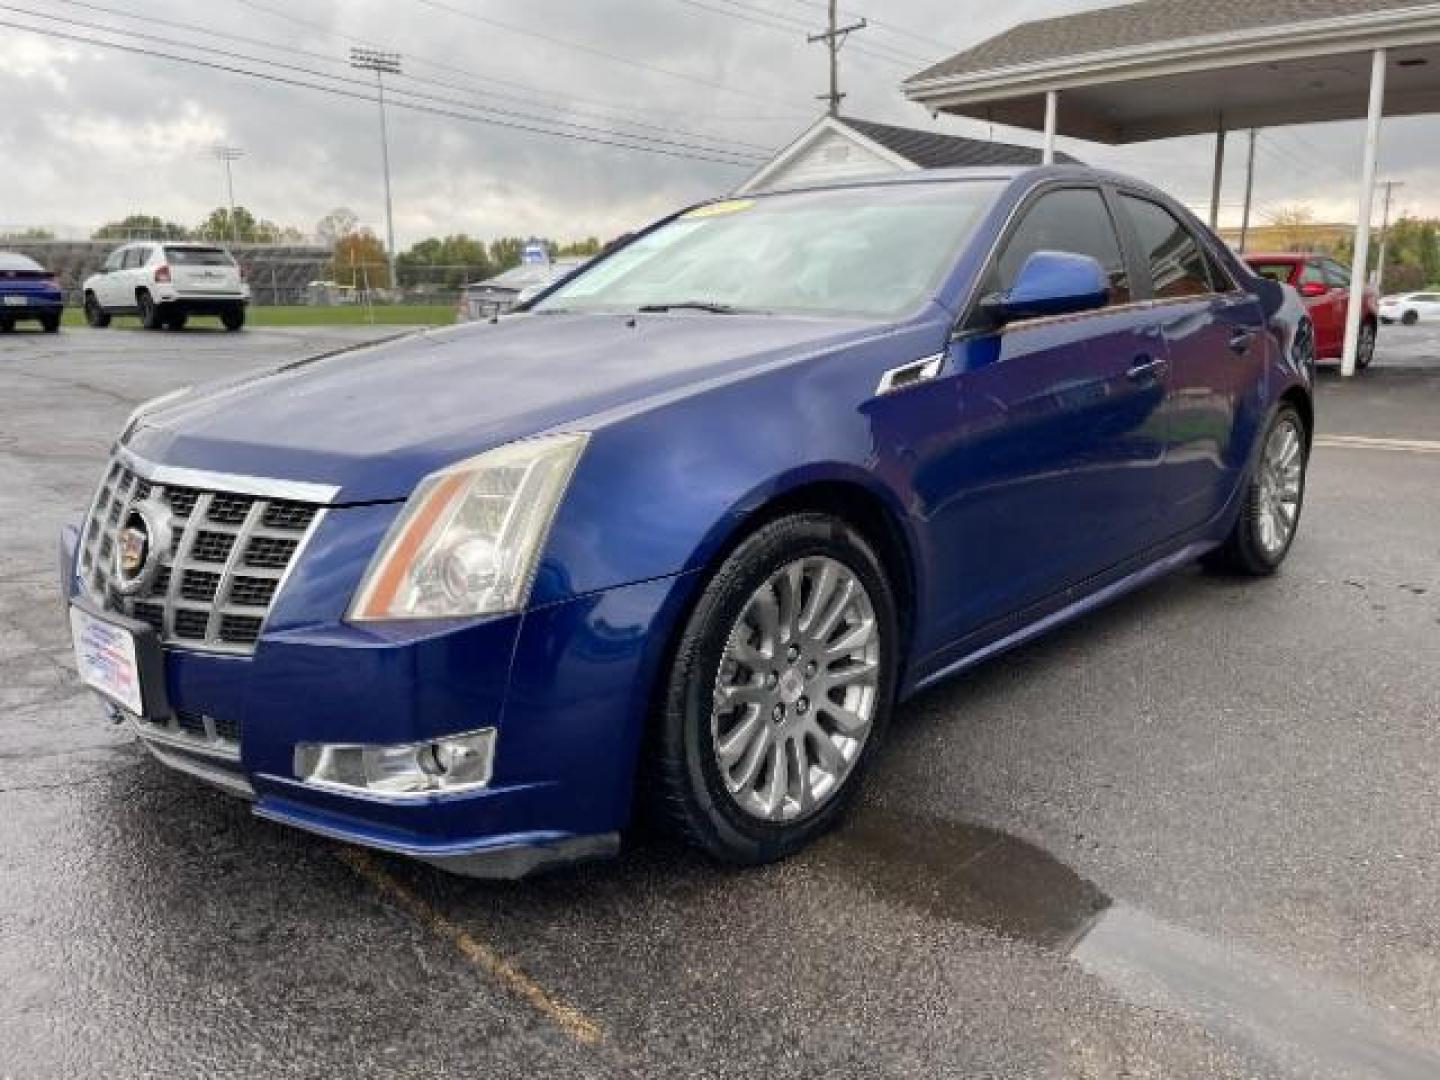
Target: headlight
<point>468,539</point>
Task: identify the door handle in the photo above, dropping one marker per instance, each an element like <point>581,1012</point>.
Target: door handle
<point>1240,340</point>
<point>1147,367</point>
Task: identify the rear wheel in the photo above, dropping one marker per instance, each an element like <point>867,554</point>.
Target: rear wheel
<point>233,319</point>
<point>779,692</point>
<point>6,325</point>
<point>1262,535</point>
<point>176,320</point>
<point>1410,318</point>
<point>148,310</point>
<point>50,323</point>
<point>1365,346</point>
<point>95,315</point>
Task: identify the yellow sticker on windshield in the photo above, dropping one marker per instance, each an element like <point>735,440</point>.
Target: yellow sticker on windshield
<point>715,209</point>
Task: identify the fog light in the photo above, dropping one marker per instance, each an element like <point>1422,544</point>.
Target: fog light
<point>454,764</point>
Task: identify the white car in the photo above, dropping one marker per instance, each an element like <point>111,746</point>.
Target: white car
<point>164,283</point>
<point>1410,308</point>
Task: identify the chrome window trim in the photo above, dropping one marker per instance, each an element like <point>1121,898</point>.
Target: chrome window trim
<point>1116,309</point>
<point>233,483</point>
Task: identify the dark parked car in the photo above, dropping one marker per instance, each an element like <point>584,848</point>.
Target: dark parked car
<point>694,522</point>
<point>28,292</point>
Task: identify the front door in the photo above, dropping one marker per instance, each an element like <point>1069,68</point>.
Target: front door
<point>1034,455</point>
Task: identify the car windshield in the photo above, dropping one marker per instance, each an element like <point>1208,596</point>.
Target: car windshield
<point>187,256</point>
<point>1275,271</point>
<point>868,251</point>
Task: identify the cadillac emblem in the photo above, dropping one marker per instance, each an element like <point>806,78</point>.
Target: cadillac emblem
<point>138,547</point>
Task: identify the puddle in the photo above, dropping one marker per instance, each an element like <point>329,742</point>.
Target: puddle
<point>985,878</point>
<point>966,873</point>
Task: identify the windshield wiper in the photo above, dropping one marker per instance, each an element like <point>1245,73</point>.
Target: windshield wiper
<point>689,305</point>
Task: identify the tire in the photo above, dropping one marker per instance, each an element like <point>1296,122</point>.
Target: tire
<point>149,311</point>
<point>1410,318</point>
<point>735,810</point>
<point>1253,549</point>
<point>95,315</point>
<point>233,320</point>
<point>6,325</point>
<point>50,324</point>
<point>1365,346</point>
<point>176,320</point>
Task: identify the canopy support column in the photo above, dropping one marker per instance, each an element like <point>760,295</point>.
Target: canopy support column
<point>1052,117</point>
<point>1219,171</point>
<point>1361,259</point>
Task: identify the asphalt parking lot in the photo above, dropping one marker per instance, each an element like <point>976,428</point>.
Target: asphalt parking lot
<point>1192,835</point>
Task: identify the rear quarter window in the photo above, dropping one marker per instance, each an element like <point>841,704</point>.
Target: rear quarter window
<point>199,257</point>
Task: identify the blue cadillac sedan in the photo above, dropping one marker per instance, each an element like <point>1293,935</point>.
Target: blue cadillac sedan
<point>683,532</point>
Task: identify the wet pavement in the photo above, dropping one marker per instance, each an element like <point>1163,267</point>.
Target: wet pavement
<point>1191,835</point>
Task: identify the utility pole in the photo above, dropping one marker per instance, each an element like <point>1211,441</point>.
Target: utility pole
<point>1389,186</point>
<point>382,63</point>
<point>834,38</point>
<point>228,154</point>
<point>1249,192</point>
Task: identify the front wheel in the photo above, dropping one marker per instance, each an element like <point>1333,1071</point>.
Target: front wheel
<point>1274,496</point>
<point>1365,346</point>
<point>1410,318</point>
<point>779,692</point>
<point>95,316</point>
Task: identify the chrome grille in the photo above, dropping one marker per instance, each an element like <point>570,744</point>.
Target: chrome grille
<point>219,576</point>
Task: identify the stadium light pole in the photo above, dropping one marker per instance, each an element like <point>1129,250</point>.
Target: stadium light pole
<point>382,63</point>
<point>228,154</point>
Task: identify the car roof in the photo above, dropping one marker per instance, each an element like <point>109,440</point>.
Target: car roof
<point>1035,173</point>
<point>13,260</point>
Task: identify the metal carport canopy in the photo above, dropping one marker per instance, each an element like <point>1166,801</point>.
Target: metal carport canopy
<point>1164,68</point>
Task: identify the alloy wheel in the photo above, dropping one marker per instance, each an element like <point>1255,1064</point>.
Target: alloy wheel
<point>797,690</point>
<point>1281,477</point>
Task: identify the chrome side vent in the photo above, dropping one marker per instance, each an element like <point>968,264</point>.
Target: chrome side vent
<point>916,371</point>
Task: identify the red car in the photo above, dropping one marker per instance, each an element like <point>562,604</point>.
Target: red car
<point>1324,285</point>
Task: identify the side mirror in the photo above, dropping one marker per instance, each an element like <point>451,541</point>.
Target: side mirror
<point>1051,283</point>
<point>1314,288</point>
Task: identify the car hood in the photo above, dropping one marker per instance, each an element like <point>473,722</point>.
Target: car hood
<point>372,422</point>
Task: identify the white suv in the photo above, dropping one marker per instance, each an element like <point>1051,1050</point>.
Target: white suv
<point>164,283</point>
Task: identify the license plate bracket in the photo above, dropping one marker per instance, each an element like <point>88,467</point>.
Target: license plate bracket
<point>120,658</point>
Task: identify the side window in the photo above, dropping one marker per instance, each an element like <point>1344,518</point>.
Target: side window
<point>1311,274</point>
<point>115,259</point>
<point>1177,262</point>
<point>1074,220</point>
<point>1336,276</point>
<point>135,257</point>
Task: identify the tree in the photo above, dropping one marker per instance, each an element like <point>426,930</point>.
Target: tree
<point>506,252</point>
<point>360,261</point>
<point>337,223</point>
<point>220,226</point>
<point>28,234</point>
<point>450,261</point>
<point>140,227</point>
<point>1293,225</point>
<point>581,248</point>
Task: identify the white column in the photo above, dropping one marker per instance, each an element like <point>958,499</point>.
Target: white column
<point>1052,115</point>
<point>1362,215</point>
<point>1219,172</point>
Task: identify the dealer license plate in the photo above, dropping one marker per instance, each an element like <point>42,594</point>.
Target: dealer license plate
<point>106,659</point>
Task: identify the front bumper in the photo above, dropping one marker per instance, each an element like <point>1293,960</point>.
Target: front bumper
<point>566,688</point>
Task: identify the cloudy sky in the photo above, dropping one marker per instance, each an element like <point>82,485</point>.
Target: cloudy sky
<point>89,133</point>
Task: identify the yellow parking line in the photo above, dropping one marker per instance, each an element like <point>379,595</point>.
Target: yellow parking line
<point>566,1017</point>
<point>1370,442</point>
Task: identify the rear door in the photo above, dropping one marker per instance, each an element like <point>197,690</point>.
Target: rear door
<point>1036,454</point>
<point>202,270</point>
<point>1214,332</point>
<point>1337,282</point>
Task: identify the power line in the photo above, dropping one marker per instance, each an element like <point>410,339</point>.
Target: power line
<point>745,157</point>
<point>749,13</point>
<point>467,116</point>
<point>893,28</point>
<point>669,130</point>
